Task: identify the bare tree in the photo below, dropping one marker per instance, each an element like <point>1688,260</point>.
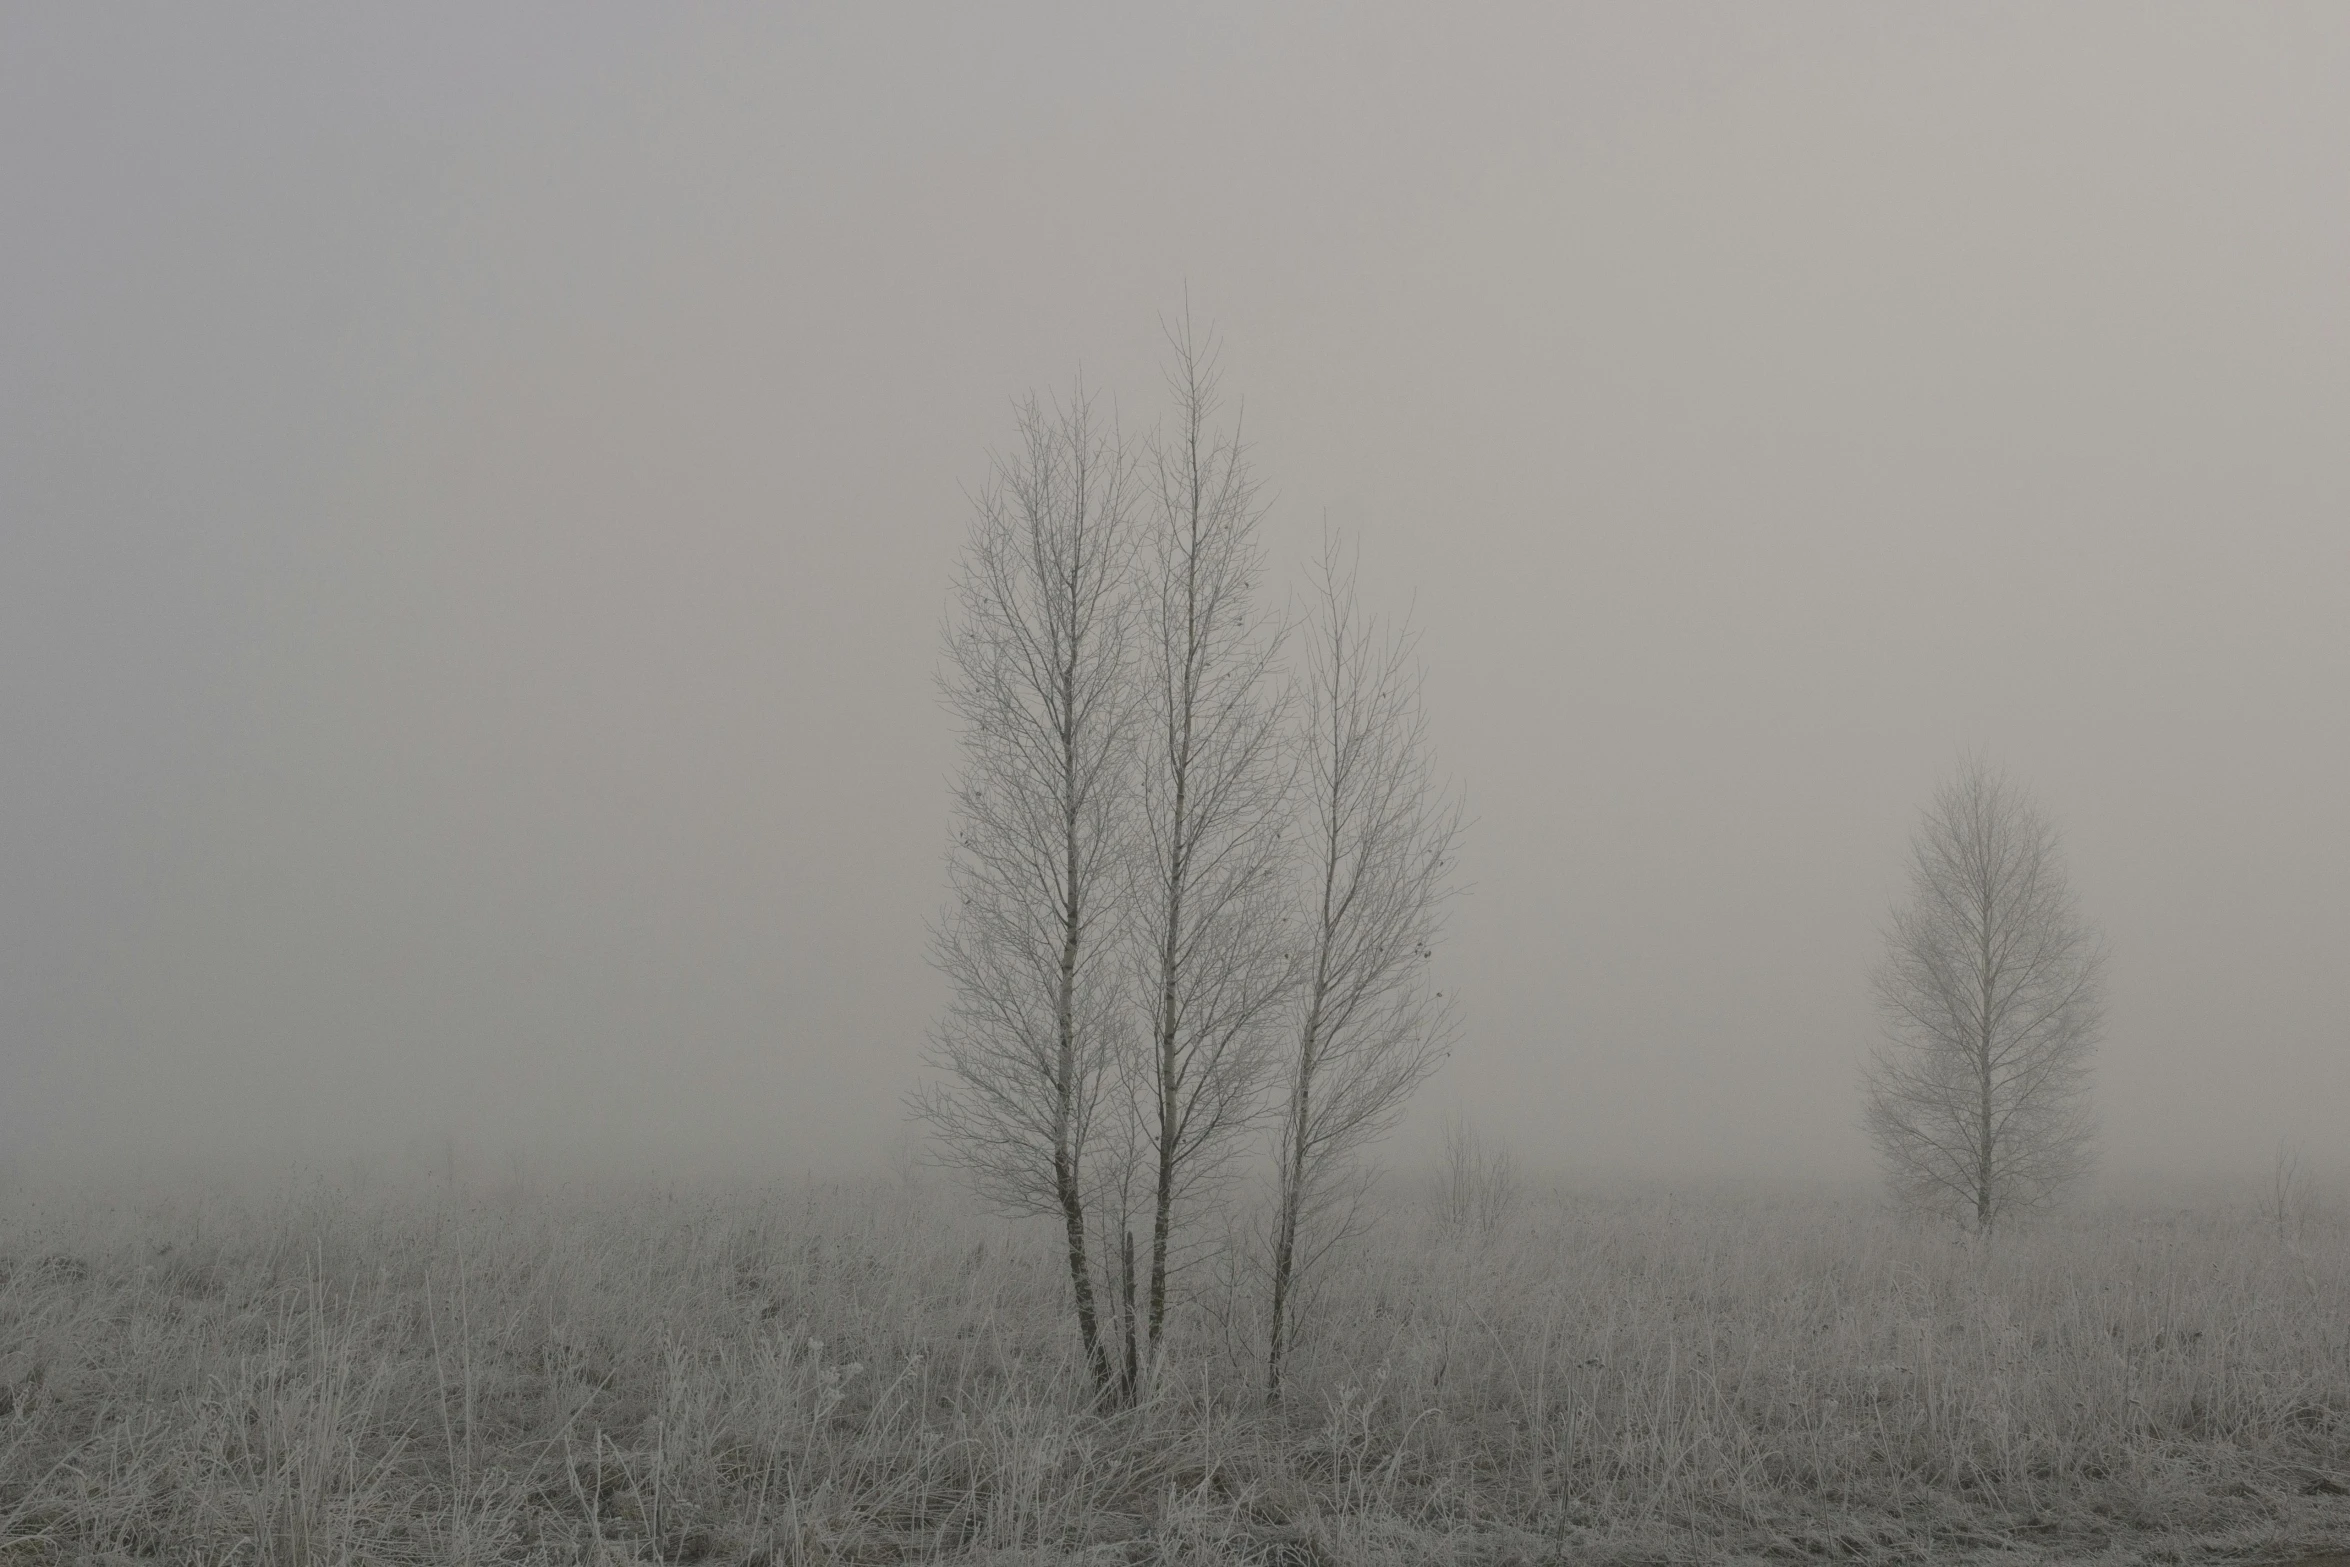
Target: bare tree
<point>1369,1025</point>
<point>1991,999</point>
<point>1209,898</point>
<point>1038,670</point>
<point>1477,1187</point>
<point>2288,1194</point>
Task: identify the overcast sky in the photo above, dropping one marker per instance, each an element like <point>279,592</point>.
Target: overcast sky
<point>478,489</point>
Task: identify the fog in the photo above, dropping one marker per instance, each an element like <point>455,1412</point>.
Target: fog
<point>478,492</point>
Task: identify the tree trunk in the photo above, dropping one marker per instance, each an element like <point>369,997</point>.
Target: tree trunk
<point>1293,1174</point>
<point>1983,1147</point>
<point>1284,1256</point>
<point>1065,1175</point>
<point>1170,1020</point>
<point>1133,1351</point>
<point>1080,1275</point>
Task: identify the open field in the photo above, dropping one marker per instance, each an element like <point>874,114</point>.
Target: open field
<point>867,1374</point>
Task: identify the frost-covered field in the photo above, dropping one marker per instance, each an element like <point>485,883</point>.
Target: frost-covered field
<point>820,1374</point>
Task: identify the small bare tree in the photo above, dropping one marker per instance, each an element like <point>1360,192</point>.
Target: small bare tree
<point>2288,1194</point>
<point>1370,1026</point>
<point>1477,1188</point>
<point>1991,1000</point>
<point>1209,897</point>
<point>1038,670</point>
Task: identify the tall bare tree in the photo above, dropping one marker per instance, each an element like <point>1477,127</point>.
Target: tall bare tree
<point>1991,999</point>
<point>1369,1025</point>
<point>1209,899</point>
<point>1039,669</point>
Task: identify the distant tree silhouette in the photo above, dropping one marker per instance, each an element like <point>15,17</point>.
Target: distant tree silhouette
<point>1990,997</point>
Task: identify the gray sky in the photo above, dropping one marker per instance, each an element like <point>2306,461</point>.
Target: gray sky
<point>478,488</point>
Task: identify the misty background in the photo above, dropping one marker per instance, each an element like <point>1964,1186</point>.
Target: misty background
<point>478,490</point>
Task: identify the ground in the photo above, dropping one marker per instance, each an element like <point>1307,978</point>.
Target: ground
<point>361,1372</point>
